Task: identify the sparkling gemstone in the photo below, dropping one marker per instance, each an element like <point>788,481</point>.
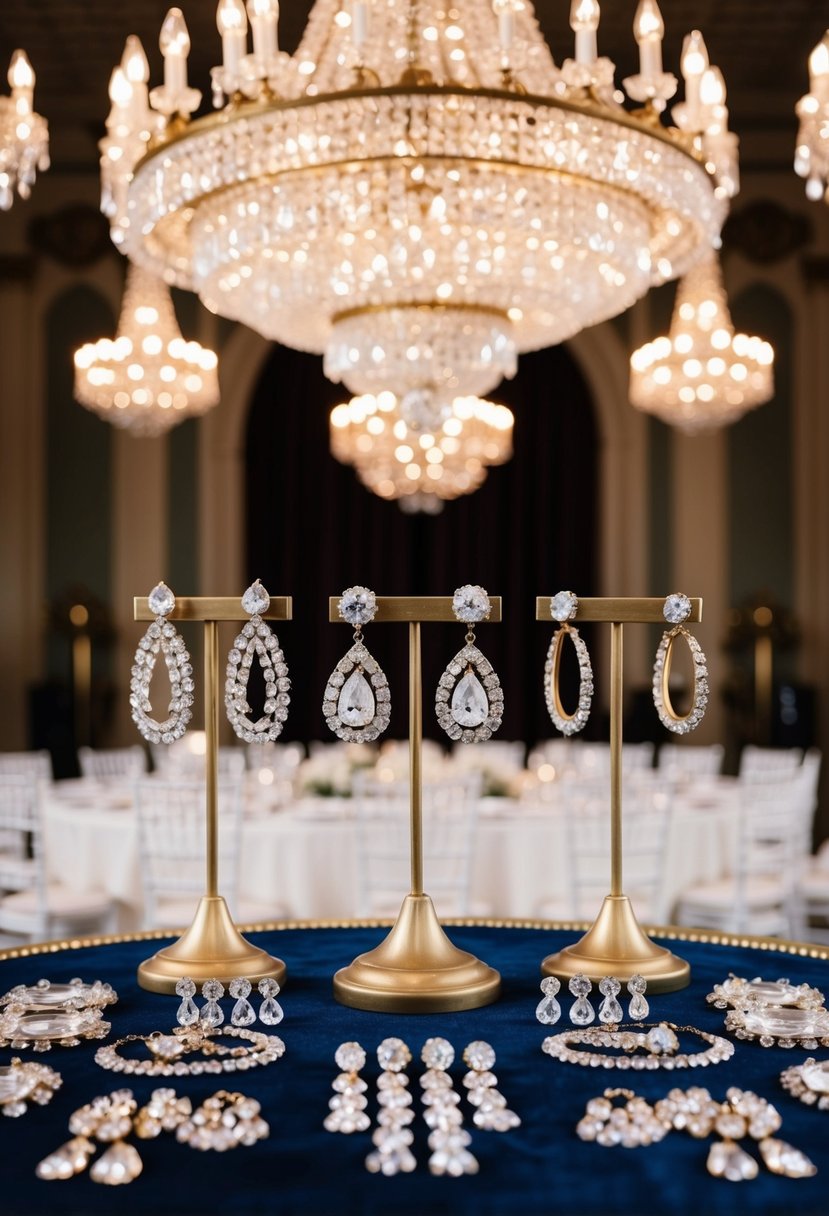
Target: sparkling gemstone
<point>270,1012</point>
<point>67,1160</point>
<point>350,1057</point>
<point>470,707</point>
<point>661,1040</point>
<point>563,606</point>
<point>550,985</point>
<point>166,1046</point>
<point>118,1165</point>
<point>610,1011</point>
<point>726,1160</point>
<point>638,1009</point>
<point>356,705</point>
<point>782,1158</point>
<point>212,1013</point>
<point>357,605</point>
<point>470,604</point>
<point>437,1053</point>
<point>677,608</point>
<point>548,1011</point>
<point>187,1013</point>
<point>580,985</point>
<point>815,1074</point>
<point>161,600</point>
<point>185,987</point>
<point>393,1055</point>
<point>243,1013</point>
<point>213,990</point>
<point>609,985</point>
<point>479,1055</point>
<point>256,600</point>
<point>239,987</point>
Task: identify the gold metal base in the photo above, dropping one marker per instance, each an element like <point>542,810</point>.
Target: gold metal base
<point>617,945</point>
<point>212,948</point>
<point>416,969</point>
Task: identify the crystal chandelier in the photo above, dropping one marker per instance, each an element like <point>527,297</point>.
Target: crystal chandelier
<point>419,193</point>
<point>24,135</point>
<point>418,463</point>
<point>702,375</point>
<point>148,379</point>
<point>811,158</point>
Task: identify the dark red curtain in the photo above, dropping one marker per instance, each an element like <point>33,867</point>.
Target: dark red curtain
<point>313,530</point>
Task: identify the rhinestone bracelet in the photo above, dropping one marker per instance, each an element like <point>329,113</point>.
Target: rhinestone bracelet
<point>167,1049</point>
<point>659,1041</point>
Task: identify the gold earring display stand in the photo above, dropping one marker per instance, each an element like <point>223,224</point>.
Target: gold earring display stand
<point>616,944</point>
<point>212,948</point>
<point>416,969</point>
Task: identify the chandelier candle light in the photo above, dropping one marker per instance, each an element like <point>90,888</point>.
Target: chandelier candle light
<point>24,135</point>
<point>812,155</point>
<point>701,375</point>
<point>418,193</point>
<point>148,379</point>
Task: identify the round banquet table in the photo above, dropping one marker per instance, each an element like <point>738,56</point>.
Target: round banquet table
<point>540,1167</point>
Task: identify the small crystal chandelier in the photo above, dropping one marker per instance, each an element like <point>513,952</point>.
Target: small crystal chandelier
<point>421,464</point>
<point>24,135</point>
<point>148,379</point>
<point>702,375</point>
<point>419,193</point>
<point>811,158</point>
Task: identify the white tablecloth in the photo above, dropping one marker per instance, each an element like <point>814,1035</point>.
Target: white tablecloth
<point>302,860</point>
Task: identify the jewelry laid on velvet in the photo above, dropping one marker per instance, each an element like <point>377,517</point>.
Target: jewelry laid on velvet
<point>736,993</point>
<point>348,1105</point>
<point>46,994</point>
<point>187,1013</point>
<point>109,1120</point>
<point>779,1025</point>
<point>808,1082</point>
<point>270,1011</point>
<point>257,640</point>
<point>212,1014</point>
<point>632,1125</point>
<point>222,1122</point>
<point>167,1052</point>
<point>548,1010</point>
<point>161,636</point>
<point>243,1013</point>
<point>469,702</point>
<point>659,1041</point>
<point>638,1007</point>
<point>41,1029</point>
<point>563,608</point>
<point>163,1113</point>
<point>24,1083</point>
<point>610,1011</point>
<point>492,1113</point>
<point>448,1140</point>
<point>357,702</point>
<point>581,1011</point>
<point>393,1136</point>
<point>676,610</point>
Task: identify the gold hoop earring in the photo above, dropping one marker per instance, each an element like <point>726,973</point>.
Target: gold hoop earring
<point>563,608</point>
<point>676,610</point>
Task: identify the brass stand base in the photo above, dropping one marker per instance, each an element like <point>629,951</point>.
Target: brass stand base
<point>416,969</point>
<point>211,949</point>
<point>617,945</point>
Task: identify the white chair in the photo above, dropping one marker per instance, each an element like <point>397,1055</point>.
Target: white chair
<point>33,906</point>
<point>759,762</point>
<point>184,759</point>
<point>282,758</point>
<point>171,836</point>
<point>502,755</point>
<point>576,756</point>
<point>692,760</point>
<point>812,899</point>
<point>383,843</point>
<point>37,765</point>
<point>759,896</point>
<point>112,761</point>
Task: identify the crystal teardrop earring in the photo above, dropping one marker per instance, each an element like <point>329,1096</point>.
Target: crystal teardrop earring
<point>563,608</point>
<point>469,702</point>
<point>162,636</point>
<point>356,702</point>
<point>677,609</point>
<point>256,639</point>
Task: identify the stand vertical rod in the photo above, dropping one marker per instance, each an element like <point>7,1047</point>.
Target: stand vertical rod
<point>415,756</point>
<point>616,758</point>
<point>211,755</point>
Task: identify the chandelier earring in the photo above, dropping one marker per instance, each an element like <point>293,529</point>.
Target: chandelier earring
<point>162,637</point>
<point>356,702</point>
<point>676,610</point>
<point>469,702</point>
<point>563,608</point>
<point>256,639</point>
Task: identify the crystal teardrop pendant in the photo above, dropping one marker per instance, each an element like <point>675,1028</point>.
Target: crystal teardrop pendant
<point>188,1012</point>
<point>256,640</point>
<point>356,702</point>
<point>469,701</point>
<point>162,637</point>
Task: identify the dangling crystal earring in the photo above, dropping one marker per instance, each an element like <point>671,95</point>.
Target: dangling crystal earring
<point>581,1011</point>
<point>212,1013</point>
<point>469,707</point>
<point>242,1013</point>
<point>356,702</point>
<point>548,1010</point>
<point>676,610</point>
<point>610,1011</point>
<point>162,636</point>
<point>563,608</point>
<point>270,1011</point>
<point>638,1009</point>
<point>187,1013</point>
<point>348,1105</point>
<point>257,638</point>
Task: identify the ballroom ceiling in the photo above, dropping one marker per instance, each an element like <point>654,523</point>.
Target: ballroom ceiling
<point>761,46</point>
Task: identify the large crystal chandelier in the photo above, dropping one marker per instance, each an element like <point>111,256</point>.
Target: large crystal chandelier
<point>702,375</point>
<point>419,193</point>
<point>148,379</point>
<point>420,464</point>
<point>24,135</point>
<point>811,158</point>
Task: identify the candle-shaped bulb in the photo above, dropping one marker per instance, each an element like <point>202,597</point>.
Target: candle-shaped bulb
<point>584,21</point>
<point>134,62</point>
<point>21,72</point>
<point>174,42</point>
<point>231,17</point>
<point>359,23</point>
<point>819,65</point>
<point>505,11</point>
<point>649,30</point>
<point>264,15</point>
<point>120,88</point>
<point>712,87</point>
<point>694,59</point>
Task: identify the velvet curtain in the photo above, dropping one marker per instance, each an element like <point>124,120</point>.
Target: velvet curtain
<point>312,530</point>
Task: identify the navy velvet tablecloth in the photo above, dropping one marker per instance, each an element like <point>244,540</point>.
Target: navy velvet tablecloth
<point>542,1167</point>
